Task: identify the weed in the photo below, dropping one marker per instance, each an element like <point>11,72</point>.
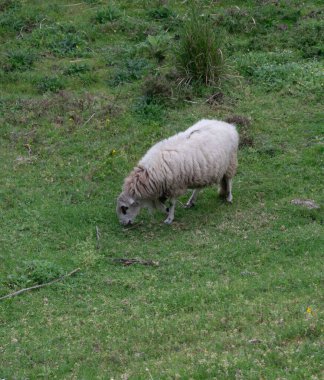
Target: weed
<point>20,19</point>
<point>134,69</point>
<point>50,84</point>
<point>108,14</point>
<point>308,39</point>
<point>236,20</point>
<point>278,76</point>
<point>148,108</point>
<point>162,12</point>
<point>9,4</point>
<point>34,272</point>
<point>61,40</point>
<point>77,69</point>
<point>199,54</point>
<point>247,63</point>
<point>88,78</point>
<point>18,60</point>
<point>156,46</point>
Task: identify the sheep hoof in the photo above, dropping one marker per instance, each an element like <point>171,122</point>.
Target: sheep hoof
<point>229,199</point>
<point>168,221</point>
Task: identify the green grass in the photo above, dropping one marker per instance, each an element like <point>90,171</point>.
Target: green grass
<point>238,290</point>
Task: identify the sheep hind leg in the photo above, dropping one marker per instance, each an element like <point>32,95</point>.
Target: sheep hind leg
<point>226,189</point>
<point>192,200</point>
<point>170,217</point>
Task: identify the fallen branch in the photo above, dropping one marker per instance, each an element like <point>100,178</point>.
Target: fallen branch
<point>40,286</point>
<point>127,262</point>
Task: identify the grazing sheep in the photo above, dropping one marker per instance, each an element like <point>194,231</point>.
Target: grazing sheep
<point>203,155</point>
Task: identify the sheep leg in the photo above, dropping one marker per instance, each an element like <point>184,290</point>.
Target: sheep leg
<point>170,217</point>
<point>192,200</point>
<point>226,188</point>
<point>229,196</point>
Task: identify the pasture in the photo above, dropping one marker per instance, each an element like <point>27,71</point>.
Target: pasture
<point>226,291</point>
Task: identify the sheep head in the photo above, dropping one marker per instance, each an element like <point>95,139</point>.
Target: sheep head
<point>127,208</point>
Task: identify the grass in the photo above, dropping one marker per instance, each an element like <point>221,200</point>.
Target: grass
<point>237,292</point>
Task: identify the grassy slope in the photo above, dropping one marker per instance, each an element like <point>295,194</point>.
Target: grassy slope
<point>229,297</point>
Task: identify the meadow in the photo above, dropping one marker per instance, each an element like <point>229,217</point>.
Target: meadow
<point>226,291</point>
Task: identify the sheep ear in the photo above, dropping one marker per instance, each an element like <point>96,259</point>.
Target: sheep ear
<point>131,201</point>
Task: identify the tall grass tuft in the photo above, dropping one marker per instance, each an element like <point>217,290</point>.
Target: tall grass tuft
<point>199,55</point>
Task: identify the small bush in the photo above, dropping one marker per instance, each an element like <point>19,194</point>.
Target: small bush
<point>199,56</point>
<point>157,89</point>
<point>50,84</point>
<point>108,14</point>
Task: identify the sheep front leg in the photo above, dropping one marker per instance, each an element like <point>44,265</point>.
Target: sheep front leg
<point>170,217</point>
<point>192,200</point>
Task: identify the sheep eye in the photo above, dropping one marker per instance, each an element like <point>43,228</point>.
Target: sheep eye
<point>124,209</point>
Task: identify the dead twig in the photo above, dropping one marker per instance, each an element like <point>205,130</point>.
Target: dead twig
<point>40,24</point>
<point>127,262</point>
<point>88,120</point>
<point>73,5</point>
<point>40,286</point>
<point>98,237</point>
<point>132,226</point>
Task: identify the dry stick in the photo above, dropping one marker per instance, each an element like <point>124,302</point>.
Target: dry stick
<point>73,5</point>
<point>39,286</point>
<point>88,120</point>
<point>98,237</point>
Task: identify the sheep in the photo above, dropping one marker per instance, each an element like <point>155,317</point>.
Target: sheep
<point>203,155</point>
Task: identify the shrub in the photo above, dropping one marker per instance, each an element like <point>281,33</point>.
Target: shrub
<point>199,56</point>
<point>156,89</point>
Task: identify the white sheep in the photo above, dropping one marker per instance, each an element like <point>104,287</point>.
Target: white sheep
<point>203,155</point>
